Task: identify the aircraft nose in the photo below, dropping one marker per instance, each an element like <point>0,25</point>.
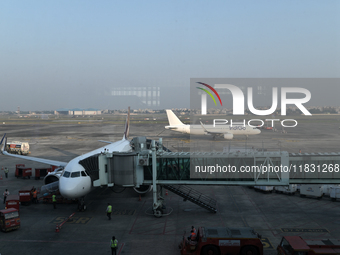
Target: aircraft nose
<point>74,187</point>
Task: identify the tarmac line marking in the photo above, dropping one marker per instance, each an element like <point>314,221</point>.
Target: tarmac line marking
<point>302,224</point>
<point>149,225</point>
<point>121,248</point>
<point>143,233</point>
<point>335,206</point>
<point>169,231</point>
<point>312,202</point>
<point>238,209</point>
<point>305,230</point>
<point>46,241</point>
<point>73,220</point>
<point>262,214</point>
<point>137,218</point>
<point>325,204</point>
<point>298,205</point>
<point>266,243</point>
<point>166,220</point>
<point>319,236</point>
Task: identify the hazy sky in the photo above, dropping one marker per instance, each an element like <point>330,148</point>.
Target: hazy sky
<point>57,54</point>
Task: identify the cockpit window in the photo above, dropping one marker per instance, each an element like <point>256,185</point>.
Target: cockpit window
<point>75,174</point>
<point>66,174</point>
<point>83,173</point>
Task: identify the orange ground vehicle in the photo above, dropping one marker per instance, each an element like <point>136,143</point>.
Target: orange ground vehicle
<point>296,245</point>
<point>9,219</point>
<point>213,241</point>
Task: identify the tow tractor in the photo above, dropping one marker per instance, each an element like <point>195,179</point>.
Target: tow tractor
<point>213,241</point>
<point>296,245</point>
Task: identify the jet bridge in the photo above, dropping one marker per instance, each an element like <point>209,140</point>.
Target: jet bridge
<point>150,163</point>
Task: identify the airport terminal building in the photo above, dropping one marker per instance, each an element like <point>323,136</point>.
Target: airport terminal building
<point>78,111</point>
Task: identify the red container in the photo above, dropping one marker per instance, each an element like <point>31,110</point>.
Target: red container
<point>41,172</point>
<point>9,219</point>
<point>12,201</point>
<point>25,195</point>
<point>23,172</point>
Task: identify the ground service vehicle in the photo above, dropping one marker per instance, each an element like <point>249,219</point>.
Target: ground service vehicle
<point>25,195</point>
<point>296,245</point>
<point>16,147</point>
<point>213,241</point>
<point>12,201</point>
<point>9,219</point>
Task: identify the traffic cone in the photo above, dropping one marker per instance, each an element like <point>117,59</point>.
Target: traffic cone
<point>57,228</point>
<point>140,198</point>
<point>166,192</point>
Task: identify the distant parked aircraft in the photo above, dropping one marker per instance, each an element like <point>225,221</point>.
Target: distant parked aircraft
<point>225,131</point>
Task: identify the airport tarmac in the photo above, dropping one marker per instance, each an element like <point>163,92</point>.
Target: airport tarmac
<point>272,215</point>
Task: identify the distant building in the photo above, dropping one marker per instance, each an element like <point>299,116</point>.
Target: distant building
<point>77,111</point>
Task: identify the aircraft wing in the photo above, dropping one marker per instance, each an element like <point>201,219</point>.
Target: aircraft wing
<point>211,132</point>
<point>104,141</point>
<point>40,160</point>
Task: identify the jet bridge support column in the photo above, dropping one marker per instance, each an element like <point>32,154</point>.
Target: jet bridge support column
<point>157,203</point>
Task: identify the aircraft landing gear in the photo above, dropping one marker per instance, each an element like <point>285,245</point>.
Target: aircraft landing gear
<point>81,205</point>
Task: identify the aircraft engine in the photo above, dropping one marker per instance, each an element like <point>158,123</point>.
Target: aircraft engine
<point>143,189</point>
<point>54,176</point>
<point>228,136</point>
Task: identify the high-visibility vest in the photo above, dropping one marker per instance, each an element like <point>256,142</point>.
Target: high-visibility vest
<point>109,209</point>
<point>6,170</point>
<point>54,198</point>
<point>193,236</point>
<point>34,194</point>
<point>114,243</point>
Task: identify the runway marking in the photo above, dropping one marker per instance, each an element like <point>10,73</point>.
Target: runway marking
<point>308,230</point>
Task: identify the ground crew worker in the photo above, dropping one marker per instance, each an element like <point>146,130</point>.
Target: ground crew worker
<point>6,193</point>
<point>109,210</point>
<point>35,201</point>
<point>114,245</point>
<point>6,172</point>
<point>194,229</point>
<point>192,236</point>
<point>54,201</point>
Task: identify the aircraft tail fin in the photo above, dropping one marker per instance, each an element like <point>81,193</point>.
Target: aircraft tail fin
<point>173,119</point>
<point>127,126</point>
<point>3,147</point>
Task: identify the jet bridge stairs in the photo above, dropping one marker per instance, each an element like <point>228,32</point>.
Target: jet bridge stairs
<point>193,196</point>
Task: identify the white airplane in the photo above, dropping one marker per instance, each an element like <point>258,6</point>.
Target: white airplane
<point>226,131</point>
<point>74,179</point>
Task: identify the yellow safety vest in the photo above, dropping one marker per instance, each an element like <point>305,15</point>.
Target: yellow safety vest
<point>114,243</point>
<point>109,209</point>
<point>54,198</point>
